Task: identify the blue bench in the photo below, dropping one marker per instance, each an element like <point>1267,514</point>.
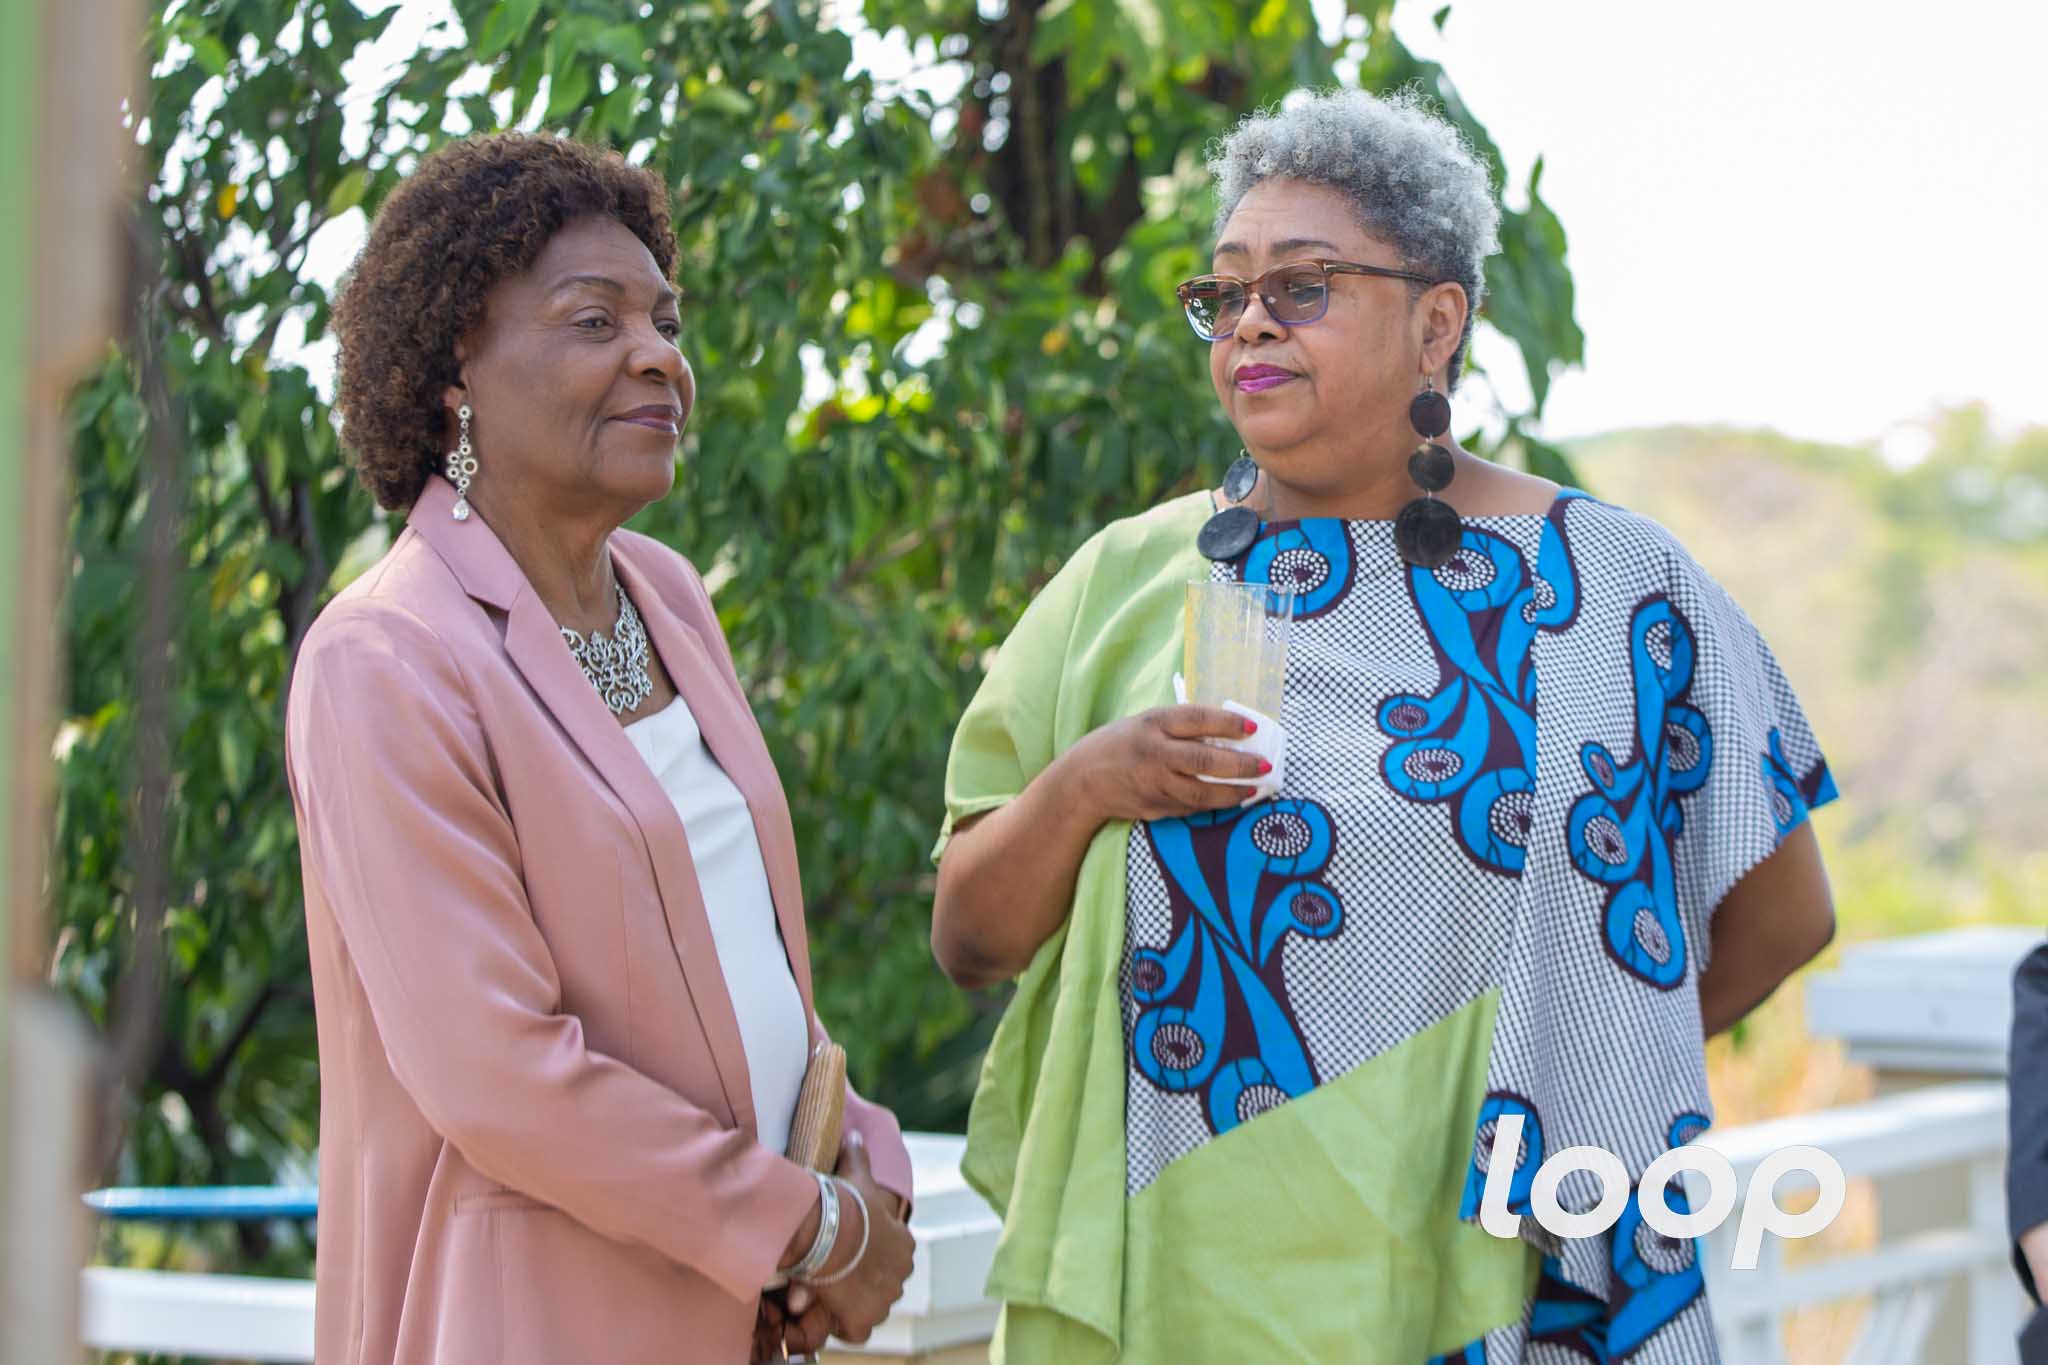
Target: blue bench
<point>196,1203</point>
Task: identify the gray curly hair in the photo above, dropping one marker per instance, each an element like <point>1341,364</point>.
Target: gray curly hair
<point>1409,174</point>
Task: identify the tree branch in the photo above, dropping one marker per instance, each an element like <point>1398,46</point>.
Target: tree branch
<point>909,543</point>
<point>297,602</point>
<point>217,1070</point>
<point>266,501</point>
<point>135,1022</point>
<point>191,259</point>
<point>1032,189</point>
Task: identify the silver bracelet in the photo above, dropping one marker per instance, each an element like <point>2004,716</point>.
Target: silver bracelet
<point>866,1225</point>
<point>828,1229</point>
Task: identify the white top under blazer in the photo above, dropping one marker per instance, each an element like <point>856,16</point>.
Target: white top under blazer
<point>734,882</point>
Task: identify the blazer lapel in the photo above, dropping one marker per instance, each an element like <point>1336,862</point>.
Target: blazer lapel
<point>534,643</point>
<point>734,739</point>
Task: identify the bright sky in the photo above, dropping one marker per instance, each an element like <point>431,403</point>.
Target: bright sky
<point>1816,215</point>
<point>1822,216</point>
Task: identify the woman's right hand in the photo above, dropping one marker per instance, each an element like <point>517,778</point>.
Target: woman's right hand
<point>1149,766</point>
<point>859,1302</point>
<point>1007,878</point>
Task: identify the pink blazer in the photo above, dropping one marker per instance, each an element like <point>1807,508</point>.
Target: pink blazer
<point>537,1142</point>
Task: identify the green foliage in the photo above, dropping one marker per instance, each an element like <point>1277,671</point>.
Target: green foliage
<point>976,290</point>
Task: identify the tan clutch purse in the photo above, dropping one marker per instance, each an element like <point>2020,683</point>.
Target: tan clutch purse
<point>820,1110</point>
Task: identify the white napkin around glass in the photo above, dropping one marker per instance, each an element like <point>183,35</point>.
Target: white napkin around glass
<point>1269,742</point>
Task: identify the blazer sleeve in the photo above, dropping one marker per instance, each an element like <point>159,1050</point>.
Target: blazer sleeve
<point>2026,1174</point>
<point>408,845</point>
<point>887,1156</point>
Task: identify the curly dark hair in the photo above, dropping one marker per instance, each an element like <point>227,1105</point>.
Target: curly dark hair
<point>473,213</point>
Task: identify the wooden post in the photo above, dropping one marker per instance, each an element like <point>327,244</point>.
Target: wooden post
<point>66,73</point>
<point>65,67</point>
<point>18,121</point>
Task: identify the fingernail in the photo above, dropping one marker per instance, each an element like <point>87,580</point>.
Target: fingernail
<point>1264,767</point>
<point>1251,727</point>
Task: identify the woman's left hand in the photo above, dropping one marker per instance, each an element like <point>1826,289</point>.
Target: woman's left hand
<point>865,1288</point>
<point>768,1332</point>
<point>804,1334</point>
<point>779,1333</point>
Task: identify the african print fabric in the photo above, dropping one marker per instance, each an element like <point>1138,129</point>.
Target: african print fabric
<point>1517,785</point>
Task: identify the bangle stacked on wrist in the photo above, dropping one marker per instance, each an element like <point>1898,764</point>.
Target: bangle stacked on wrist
<point>866,1225</point>
<point>814,1260</point>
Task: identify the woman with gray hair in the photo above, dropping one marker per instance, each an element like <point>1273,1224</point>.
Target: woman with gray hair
<point>1539,829</point>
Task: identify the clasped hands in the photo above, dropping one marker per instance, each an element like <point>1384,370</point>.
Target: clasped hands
<point>795,1321</point>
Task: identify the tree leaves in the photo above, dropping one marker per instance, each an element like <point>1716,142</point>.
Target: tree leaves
<point>504,25</point>
<point>1546,461</point>
<point>348,191</point>
<point>1530,291</point>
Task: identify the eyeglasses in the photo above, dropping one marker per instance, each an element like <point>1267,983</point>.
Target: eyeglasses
<point>1294,294</point>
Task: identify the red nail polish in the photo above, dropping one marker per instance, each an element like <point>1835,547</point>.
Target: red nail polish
<point>1264,767</point>
<point>1251,727</point>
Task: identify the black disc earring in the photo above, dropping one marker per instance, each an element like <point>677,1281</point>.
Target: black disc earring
<point>1230,532</point>
<point>1427,531</point>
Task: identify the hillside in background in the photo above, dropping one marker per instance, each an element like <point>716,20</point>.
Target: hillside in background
<point>1910,609</point>
<point>1909,606</point>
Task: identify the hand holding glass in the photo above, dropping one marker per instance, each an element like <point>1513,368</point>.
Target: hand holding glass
<point>1234,655</point>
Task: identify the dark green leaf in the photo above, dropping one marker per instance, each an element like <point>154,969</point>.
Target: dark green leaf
<point>506,25</point>
<point>1548,462</point>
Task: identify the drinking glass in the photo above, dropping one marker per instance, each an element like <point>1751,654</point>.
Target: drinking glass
<point>1235,644</point>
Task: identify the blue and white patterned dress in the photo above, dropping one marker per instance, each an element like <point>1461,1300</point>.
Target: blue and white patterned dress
<point>1535,770</point>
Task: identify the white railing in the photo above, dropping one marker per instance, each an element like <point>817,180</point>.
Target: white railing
<point>1932,1134</point>
<point>240,1317</point>
<point>1946,1136</point>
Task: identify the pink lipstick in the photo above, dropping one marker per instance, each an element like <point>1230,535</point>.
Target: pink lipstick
<point>1259,378</point>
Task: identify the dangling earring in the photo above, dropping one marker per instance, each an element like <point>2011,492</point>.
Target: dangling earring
<point>1230,532</point>
<point>462,466</point>
<point>1427,532</point>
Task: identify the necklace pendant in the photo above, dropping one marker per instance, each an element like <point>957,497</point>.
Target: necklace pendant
<point>1229,533</point>
<point>616,667</point>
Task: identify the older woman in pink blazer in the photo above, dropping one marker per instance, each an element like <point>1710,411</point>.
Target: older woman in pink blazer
<point>559,960</point>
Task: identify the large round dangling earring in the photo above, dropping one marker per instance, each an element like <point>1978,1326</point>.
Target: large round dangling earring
<point>1230,532</point>
<point>462,466</point>
<point>1427,532</point>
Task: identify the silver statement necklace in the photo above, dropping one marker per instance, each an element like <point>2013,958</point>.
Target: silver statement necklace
<point>616,667</point>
